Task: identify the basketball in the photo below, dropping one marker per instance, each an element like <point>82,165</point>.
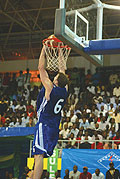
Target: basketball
<point>54,43</point>
<point>52,36</point>
<point>51,43</point>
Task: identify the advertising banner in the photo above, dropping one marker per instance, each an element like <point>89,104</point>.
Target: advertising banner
<point>16,131</point>
<point>52,163</point>
<point>91,158</point>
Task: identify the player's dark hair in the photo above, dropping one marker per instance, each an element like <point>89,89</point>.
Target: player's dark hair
<point>62,80</point>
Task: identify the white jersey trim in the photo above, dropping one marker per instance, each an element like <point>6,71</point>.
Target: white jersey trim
<point>40,138</point>
<point>42,107</point>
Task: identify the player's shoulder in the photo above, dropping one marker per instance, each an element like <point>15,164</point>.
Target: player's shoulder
<point>57,88</point>
<point>59,91</point>
<point>42,89</point>
<point>41,92</point>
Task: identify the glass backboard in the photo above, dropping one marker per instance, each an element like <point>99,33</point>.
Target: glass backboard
<point>79,24</point>
<point>75,26</point>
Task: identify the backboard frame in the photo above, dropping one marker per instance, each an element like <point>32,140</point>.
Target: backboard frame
<point>60,32</point>
<point>96,47</point>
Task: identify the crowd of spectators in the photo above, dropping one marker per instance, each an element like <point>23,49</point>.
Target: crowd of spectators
<point>92,110</point>
<point>111,173</point>
<point>18,101</point>
<point>85,174</point>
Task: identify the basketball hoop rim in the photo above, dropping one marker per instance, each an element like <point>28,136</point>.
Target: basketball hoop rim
<point>55,46</point>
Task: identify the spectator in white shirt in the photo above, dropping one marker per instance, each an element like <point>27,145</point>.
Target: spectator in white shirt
<point>19,123</point>
<point>65,131</point>
<point>76,90</point>
<point>103,123</point>
<point>73,117</point>
<point>20,79</point>
<point>104,92</point>
<point>116,116</point>
<point>72,140</point>
<point>91,88</point>
<point>33,103</point>
<point>14,105</point>
<point>26,94</point>
<point>112,99</point>
<point>86,109</point>
<point>113,124</point>
<point>98,174</point>
<point>112,110</point>
<point>86,137</point>
<point>25,119</point>
<point>21,106</point>
<point>74,130</point>
<point>77,110</point>
<point>94,110</point>
<point>116,90</point>
<point>84,123</point>
<point>75,173</point>
<point>96,135</point>
<point>68,123</point>
<point>112,133</point>
<point>13,122</point>
<point>72,104</point>
<point>92,124</point>
<point>61,144</point>
<point>116,104</point>
<point>97,128</point>
<point>102,110</point>
<point>107,105</point>
<point>100,103</point>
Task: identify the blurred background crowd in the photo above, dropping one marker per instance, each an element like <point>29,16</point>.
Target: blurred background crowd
<point>92,110</point>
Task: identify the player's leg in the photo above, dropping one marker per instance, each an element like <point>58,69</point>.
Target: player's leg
<point>38,169</point>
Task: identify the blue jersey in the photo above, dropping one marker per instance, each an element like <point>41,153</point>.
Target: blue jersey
<point>49,112</point>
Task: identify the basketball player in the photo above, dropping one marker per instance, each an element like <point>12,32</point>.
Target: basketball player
<point>50,102</point>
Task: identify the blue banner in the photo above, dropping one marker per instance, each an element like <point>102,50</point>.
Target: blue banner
<point>16,131</point>
<point>91,158</point>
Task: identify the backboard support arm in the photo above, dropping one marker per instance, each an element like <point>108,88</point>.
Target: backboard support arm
<point>62,4</point>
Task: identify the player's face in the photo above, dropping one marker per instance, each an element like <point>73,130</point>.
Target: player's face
<point>55,81</point>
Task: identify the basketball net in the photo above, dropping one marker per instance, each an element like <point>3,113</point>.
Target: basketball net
<point>56,54</point>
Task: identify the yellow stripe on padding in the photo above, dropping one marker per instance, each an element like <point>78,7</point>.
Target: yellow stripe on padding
<point>45,163</point>
<point>30,163</point>
<point>6,157</point>
<point>59,164</point>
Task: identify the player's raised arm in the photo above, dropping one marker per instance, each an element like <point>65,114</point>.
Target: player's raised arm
<point>44,75</point>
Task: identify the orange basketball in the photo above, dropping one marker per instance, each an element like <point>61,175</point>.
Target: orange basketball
<point>54,43</point>
<point>52,37</point>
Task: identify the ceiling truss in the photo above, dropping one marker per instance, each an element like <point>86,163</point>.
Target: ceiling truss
<point>23,26</point>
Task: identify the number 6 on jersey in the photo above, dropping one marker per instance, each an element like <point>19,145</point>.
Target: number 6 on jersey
<point>58,107</point>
